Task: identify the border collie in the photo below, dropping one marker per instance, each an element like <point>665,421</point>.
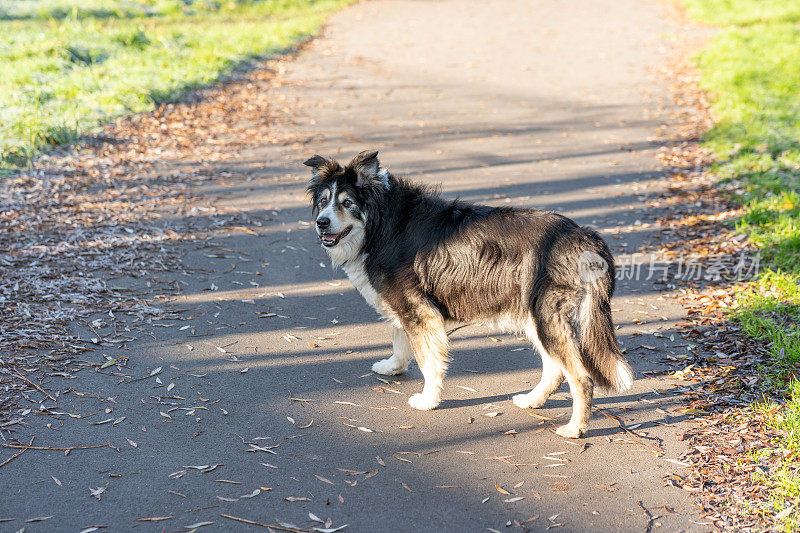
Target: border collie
<point>425,262</point>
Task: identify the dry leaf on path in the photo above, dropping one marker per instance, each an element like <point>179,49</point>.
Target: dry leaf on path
<point>501,490</point>
<point>98,491</point>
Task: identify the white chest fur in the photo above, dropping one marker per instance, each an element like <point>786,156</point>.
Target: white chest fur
<point>358,277</point>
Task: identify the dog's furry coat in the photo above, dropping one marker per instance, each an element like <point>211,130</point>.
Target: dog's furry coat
<point>423,261</point>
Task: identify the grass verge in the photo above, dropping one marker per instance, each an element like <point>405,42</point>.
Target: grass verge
<point>750,72</point>
<point>72,65</point>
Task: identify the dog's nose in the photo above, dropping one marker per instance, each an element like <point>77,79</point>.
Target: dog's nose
<point>323,222</point>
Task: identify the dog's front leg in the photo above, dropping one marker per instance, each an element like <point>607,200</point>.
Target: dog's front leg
<point>401,355</point>
<point>428,339</point>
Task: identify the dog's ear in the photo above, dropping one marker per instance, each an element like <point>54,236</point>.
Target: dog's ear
<point>315,162</point>
<point>367,168</point>
<point>321,168</point>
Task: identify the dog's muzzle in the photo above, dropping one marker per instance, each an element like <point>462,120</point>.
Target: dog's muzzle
<point>332,239</point>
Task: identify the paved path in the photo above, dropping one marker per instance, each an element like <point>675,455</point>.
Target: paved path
<point>545,104</point>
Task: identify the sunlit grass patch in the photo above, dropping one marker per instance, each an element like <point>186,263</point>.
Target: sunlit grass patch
<point>752,77</point>
<point>743,12</point>
<point>785,482</point>
<point>770,311</point>
<point>70,66</point>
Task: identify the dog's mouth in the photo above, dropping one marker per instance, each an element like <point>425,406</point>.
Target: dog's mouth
<point>330,240</point>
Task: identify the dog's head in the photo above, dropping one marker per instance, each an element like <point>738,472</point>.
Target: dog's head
<point>342,197</point>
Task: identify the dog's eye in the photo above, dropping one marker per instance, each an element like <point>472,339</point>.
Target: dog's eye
<point>323,202</point>
<point>347,202</point>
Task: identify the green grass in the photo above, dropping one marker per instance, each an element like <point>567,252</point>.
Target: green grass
<point>751,71</point>
<point>743,12</point>
<point>785,481</point>
<point>71,65</point>
<point>770,311</point>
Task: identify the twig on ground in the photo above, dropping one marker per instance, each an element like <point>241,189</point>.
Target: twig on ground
<point>298,399</point>
<point>271,526</point>
<point>650,517</point>
<point>4,463</point>
<point>40,389</point>
<point>69,448</point>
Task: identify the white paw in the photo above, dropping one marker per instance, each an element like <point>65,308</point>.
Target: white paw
<point>386,367</point>
<point>527,400</point>
<point>570,432</point>
<point>423,402</point>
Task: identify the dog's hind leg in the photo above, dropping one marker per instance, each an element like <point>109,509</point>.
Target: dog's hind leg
<point>555,311</point>
<point>401,355</point>
<point>552,378</point>
<point>582,390</point>
<point>428,339</point>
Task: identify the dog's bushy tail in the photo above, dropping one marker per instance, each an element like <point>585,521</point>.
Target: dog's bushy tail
<point>600,352</point>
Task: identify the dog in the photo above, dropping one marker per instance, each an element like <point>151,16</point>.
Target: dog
<point>425,262</point>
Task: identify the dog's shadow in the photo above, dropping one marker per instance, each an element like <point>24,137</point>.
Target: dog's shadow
<point>552,402</point>
<point>468,402</point>
<point>560,402</point>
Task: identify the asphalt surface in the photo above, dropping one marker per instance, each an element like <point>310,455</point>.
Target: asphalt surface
<point>547,104</point>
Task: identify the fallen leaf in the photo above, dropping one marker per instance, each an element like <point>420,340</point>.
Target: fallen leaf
<point>98,491</point>
<point>198,524</point>
<point>38,519</point>
<point>360,428</point>
<point>675,461</point>
<point>501,490</point>
<point>329,529</point>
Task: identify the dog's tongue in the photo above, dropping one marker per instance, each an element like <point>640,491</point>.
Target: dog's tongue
<point>330,237</point>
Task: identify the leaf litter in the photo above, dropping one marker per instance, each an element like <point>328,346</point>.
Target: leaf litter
<point>115,193</point>
<point>729,447</point>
